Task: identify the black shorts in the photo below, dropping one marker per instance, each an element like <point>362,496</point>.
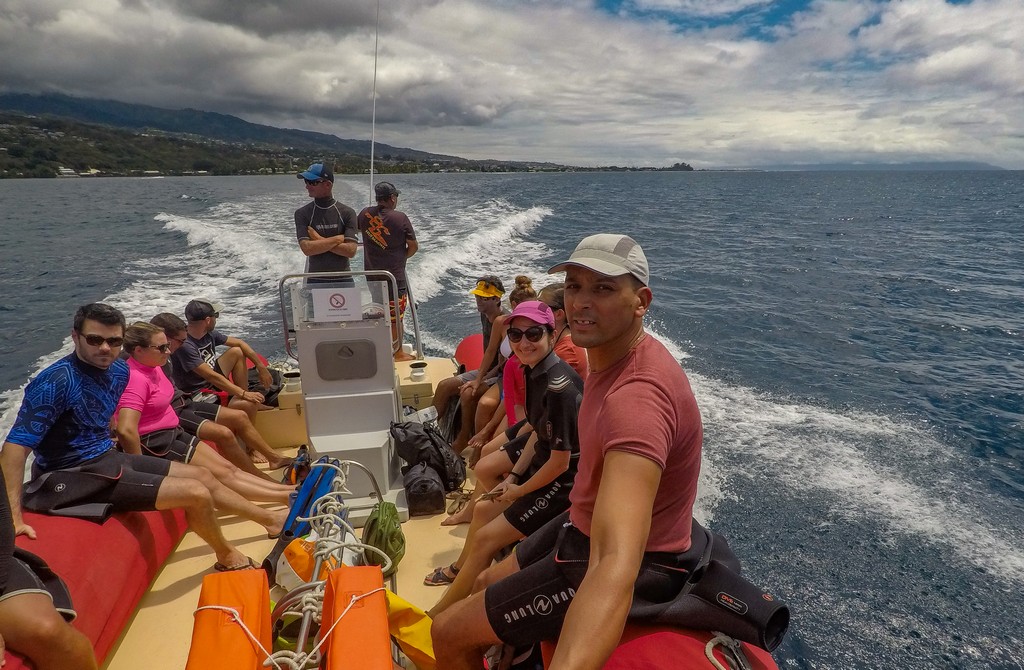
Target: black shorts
<point>124,482</point>
<point>27,574</point>
<point>531,604</point>
<point>536,509</point>
<point>173,444</point>
<point>514,447</point>
<point>193,415</point>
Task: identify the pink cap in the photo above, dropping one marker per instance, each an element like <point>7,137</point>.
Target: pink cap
<point>535,311</point>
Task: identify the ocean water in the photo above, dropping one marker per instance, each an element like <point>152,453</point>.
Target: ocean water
<point>854,341</point>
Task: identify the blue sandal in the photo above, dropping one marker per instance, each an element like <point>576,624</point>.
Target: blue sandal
<point>440,577</point>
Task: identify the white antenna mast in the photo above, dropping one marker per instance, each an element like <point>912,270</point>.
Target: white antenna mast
<point>373,121</point>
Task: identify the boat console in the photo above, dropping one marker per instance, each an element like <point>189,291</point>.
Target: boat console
<point>351,389</point>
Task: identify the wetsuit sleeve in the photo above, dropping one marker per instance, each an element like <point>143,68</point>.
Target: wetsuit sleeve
<point>563,400</point>
<point>349,226</point>
<point>46,399</point>
<point>301,224</point>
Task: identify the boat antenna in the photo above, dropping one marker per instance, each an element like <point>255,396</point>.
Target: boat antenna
<point>373,119</point>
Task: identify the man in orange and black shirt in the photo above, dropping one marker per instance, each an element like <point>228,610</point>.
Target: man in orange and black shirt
<point>388,241</point>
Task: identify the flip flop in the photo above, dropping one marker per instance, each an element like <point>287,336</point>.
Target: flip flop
<point>220,567</point>
<point>459,499</point>
<point>439,577</point>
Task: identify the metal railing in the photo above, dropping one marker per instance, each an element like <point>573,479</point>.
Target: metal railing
<point>377,275</point>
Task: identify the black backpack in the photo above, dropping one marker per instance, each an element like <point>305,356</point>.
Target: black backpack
<point>269,394</point>
<point>423,443</point>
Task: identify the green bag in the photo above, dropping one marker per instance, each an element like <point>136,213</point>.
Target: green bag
<point>383,531</point>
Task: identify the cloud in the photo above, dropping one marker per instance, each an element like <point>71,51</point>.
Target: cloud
<point>560,81</point>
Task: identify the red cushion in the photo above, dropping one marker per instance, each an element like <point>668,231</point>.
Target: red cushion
<point>107,567</point>
<point>654,647</point>
<point>470,351</point>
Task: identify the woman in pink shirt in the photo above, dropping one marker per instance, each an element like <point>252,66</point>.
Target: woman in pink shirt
<point>146,423</point>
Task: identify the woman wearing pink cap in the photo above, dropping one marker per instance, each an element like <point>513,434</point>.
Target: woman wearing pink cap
<point>543,452</point>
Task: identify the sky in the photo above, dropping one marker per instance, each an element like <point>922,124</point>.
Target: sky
<point>711,83</point>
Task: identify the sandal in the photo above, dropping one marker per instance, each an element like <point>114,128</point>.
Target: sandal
<point>459,500</point>
<point>251,565</point>
<point>439,577</point>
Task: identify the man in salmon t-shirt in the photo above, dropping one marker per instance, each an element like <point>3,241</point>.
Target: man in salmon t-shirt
<point>628,527</point>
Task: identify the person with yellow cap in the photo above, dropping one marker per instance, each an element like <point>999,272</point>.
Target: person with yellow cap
<point>472,384</point>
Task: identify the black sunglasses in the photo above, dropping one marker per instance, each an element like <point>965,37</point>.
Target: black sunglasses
<point>98,340</point>
<point>162,348</point>
<point>314,182</point>
<point>533,333</point>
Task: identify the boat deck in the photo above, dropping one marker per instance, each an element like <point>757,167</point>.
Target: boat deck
<point>161,630</point>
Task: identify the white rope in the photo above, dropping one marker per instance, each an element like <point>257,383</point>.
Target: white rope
<point>296,660</point>
<point>328,519</point>
<point>351,603</point>
<point>237,618</point>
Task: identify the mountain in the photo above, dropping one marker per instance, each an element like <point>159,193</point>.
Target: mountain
<point>226,128</point>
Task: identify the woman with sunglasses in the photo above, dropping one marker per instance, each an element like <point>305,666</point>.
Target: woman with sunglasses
<point>542,461</point>
<point>147,424</point>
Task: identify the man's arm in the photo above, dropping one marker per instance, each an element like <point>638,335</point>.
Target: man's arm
<point>622,521</point>
<point>219,381</point>
<point>344,247</point>
<point>348,241</point>
<point>318,245</point>
<point>490,358</point>
<point>257,362</point>
<point>127,430</point>
<point>411,247</point>
<point>12,460</point>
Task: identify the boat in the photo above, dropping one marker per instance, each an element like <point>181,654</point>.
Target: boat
<point>138,580</point>
<point>137,590</point>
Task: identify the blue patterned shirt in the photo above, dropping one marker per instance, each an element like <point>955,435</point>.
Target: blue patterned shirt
<point>65,415</point>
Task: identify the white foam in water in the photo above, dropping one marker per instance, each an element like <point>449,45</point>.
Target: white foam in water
<point>484,239</point>
<point>807,447</point>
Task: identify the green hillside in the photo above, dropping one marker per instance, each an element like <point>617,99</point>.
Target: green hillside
<point>39,134</point>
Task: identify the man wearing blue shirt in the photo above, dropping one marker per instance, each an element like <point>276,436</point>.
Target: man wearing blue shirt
<point>65,421</point>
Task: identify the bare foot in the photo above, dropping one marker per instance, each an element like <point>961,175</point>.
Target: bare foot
<point>402,356</point>
<point>278,463</point>
<point>465,515</point>
<point>274,529</point>
<point>257,457</point>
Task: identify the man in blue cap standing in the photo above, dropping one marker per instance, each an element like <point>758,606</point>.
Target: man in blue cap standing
<point>325,228</point>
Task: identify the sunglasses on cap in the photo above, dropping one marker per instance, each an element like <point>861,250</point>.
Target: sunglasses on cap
<point>98,340</point>
<point>533,333</point>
